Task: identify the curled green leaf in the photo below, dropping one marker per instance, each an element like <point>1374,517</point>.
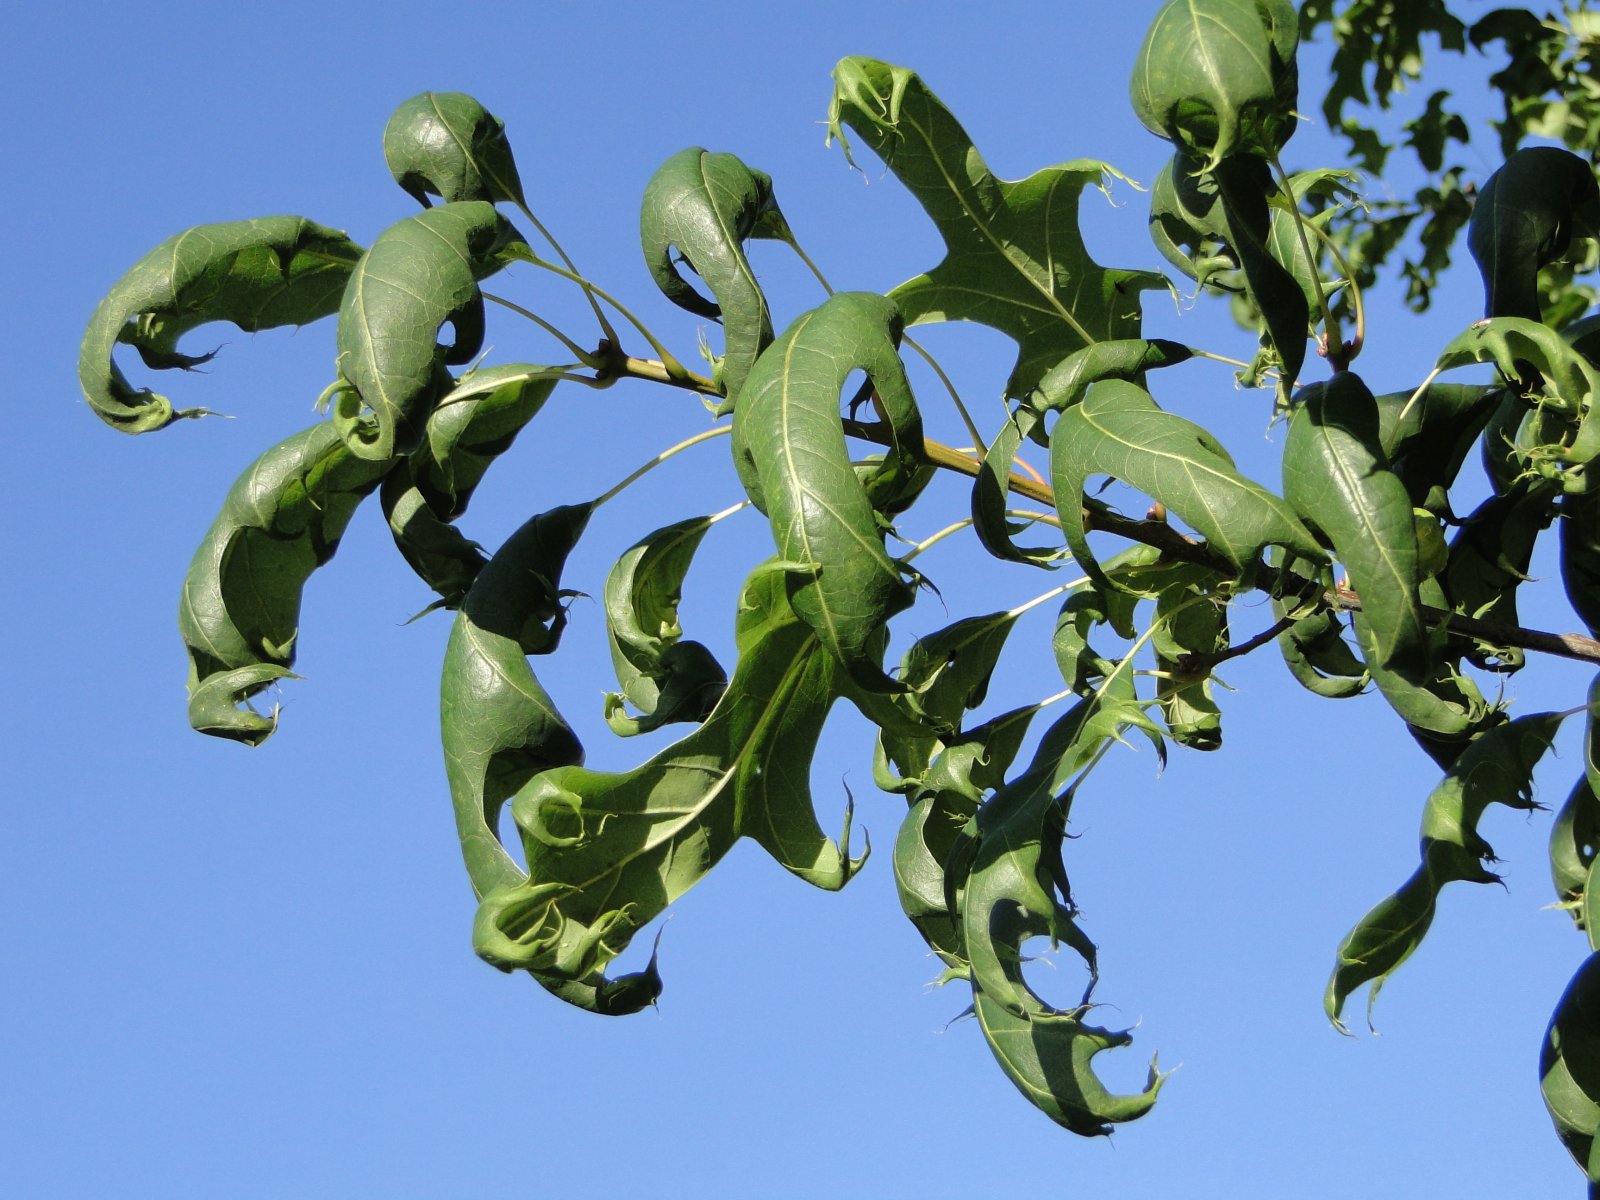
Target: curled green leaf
<point>254,274</point>
<point>1336,477</point>
<point>1218,77</point>
<point>240,610</point>
<point>1489,560</point>
<point>421,274</point>
<point>704,207</point>
<point>1015,258</point>
<point>1426,435</point>
<point>446,144</point>
<point>1119,430</point>
<point>474,423</point>
<point>606,853</point>
<point>1525,217</point>
<point>788,442</point>
<point>1497,768</point>
<point>1580,555</point>
<point>664,678</point>
<point>1569,1067</point>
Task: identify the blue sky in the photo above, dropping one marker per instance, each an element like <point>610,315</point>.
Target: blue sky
<point>247,973</point>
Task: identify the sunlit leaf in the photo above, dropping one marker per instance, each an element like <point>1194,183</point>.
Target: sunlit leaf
<point>447,144</point>
<point>254,274</point>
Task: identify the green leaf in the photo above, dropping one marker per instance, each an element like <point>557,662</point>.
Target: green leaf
<point>788,443</point>
<point>1569,1066</point>
<point>705,206</point>
<point>420,274</point>
<point>1497,768</point>
<point>1426,437</point>
<point>255,274</point>
<point>933,835</point>
<point>664,678</point>
<point>447,144</point>
<point>1490,558</point>
<point>240,610</point>
<point>1191,618</point>
<point>1526,215</point>
<point>607,853</point>
<point>1015,259</point>
<point>1118,430</point>
<point>1336,477</point>
<point>1580,555</point>
<point>474,423</point>
<point>1314,648</point>
<point>1218,77</point>
<point>500,727</point>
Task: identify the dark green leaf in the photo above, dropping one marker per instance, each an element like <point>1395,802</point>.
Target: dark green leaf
<point>1015,259</point>
<point>1427,437</point>
<point>1497,768</point>
<point>1118,430</point>
<point>705,207</point>
<point>447,144</point>
<point>1580,555</point>
<point>1526,215</point>
<point>607,853</point>
<point>1218,77</point>
<point>1489,560</point>
<point>240,611</point>
<point>420,274</point>
<point>255,274</point>
<point>790,449</point>
<point>1336,476</point>
<point>664,678</point>
<point>1569,1066</point>
<point>474,423</point>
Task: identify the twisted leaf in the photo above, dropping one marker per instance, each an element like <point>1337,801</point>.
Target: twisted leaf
<point>607,853</point>
<point>1336,477</point>
<point>1525,217</point>
<point>705,206</point>
<point>1015,259</point>
<point>420,274</point>
<point>1489,559</point>
<point>474,423</point>
<point>1426,437</point>
<point>1218,77</point>
<point>664,678</point>
<point>1314,648</point>
<point>1191,619</point>
<point>1497,768</point>
<point>255,274</point>
<point>240,610</point>
<point>790,449</point>
<point>447,144</point>
<point>1569,1067</point>
<point>1118,430</point>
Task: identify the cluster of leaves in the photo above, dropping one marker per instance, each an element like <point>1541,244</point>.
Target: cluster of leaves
<point>1367,487</point>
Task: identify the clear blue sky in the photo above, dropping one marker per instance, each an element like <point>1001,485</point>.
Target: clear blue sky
<point>236,973</point>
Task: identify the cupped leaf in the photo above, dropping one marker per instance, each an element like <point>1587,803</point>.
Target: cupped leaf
<point>500,727</point>
<point>1015,259</point>
<point>1336,477</point>
<point>240,610</point>
<point>257,274</point>
<point>788,442</point>
<point>1314,647</point>
<point>446,144</point>
<point>421,274</point>
<point>474,423</point>
<point>607,853</point>
<point>1569,1067</point>
<point>990,493</point>
<point>700,208</point>
<point>1497,768</point>
<point>1119,430</point>
<point>934,836</point>
<point>1218,77</point>
<point>1525,217</point>
<point>664,678</point>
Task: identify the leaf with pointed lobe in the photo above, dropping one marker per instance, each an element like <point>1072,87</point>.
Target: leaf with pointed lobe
<point>258,274</point>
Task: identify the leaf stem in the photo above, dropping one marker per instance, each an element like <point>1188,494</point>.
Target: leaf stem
<point>586,357</point>
<point>605,324</point>
<point>702,436</point>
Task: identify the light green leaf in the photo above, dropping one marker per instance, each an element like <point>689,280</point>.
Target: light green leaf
<point>1118,430</point>
<point>1218,77</point>
<point>474,423</point>
<point>420,274</point>
<point>607,853</point>
<point>240,610</point>
<point>1497,768</point>
<point>704,207</point>
<point>447,144</point>
<point>1015,259</point>
<point>664,678</point>
<point>1336,477</point>
<point>255,274</point>
<point>788,443</point>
